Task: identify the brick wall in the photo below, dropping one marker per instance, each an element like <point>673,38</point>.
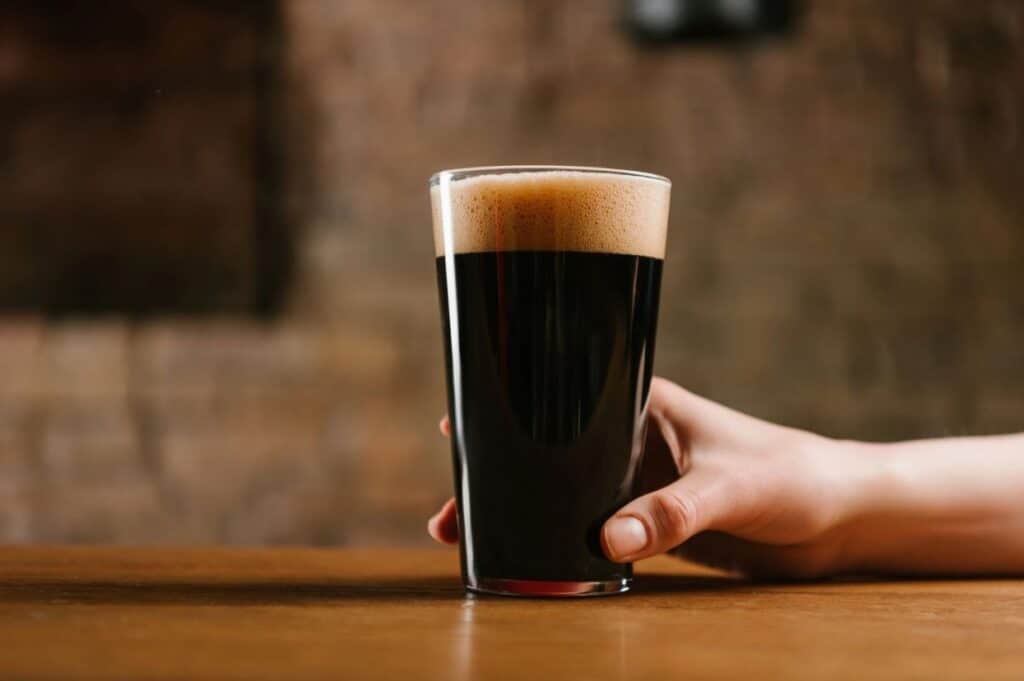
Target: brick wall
<point>847,232</point>
<point>134,155</point>
<point>846,254</point>
<point>210,432</point>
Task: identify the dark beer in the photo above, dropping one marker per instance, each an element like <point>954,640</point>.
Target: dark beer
<point>549,355</point>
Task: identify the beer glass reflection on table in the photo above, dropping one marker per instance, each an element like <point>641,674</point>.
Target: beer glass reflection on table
<point>549,278</point>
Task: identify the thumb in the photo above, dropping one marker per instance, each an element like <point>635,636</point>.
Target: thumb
<point>662,520</point>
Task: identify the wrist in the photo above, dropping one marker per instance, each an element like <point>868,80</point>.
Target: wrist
<point>865,479</point>
<point>934,507</point>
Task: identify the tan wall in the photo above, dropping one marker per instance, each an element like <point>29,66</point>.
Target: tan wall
<point>846,254</point>
<point>847,226</point>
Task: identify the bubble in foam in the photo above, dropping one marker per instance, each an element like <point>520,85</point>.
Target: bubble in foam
<point>572,210</point>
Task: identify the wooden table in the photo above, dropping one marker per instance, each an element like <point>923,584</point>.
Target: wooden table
<point>118,613</point>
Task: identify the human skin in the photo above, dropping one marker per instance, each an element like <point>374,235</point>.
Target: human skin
<point>734,492</point>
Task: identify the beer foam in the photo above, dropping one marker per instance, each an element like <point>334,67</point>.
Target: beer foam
<point>554,210</point>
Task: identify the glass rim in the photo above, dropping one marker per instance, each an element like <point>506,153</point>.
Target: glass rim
<point>455,174</point>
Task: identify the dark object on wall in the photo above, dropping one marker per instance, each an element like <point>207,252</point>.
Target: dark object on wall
<point>673,21</point>
<point>139,160</point>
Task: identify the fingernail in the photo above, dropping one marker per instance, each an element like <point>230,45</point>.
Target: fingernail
<point>625,536</point>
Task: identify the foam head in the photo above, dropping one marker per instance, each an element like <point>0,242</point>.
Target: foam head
<point>552,210</point>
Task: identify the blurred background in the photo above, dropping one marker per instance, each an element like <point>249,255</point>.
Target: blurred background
<point>218,317</point>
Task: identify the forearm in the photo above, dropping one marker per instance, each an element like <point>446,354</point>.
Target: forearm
<point>952,506</point>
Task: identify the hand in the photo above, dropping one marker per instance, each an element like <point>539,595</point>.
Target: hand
<point>727,490</point>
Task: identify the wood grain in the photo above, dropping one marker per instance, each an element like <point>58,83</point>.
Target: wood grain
<point>117,613</point>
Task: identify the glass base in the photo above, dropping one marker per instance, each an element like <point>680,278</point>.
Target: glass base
<point>534,588</point>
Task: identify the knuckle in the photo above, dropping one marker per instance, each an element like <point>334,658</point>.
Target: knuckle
<point>675,515</point>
